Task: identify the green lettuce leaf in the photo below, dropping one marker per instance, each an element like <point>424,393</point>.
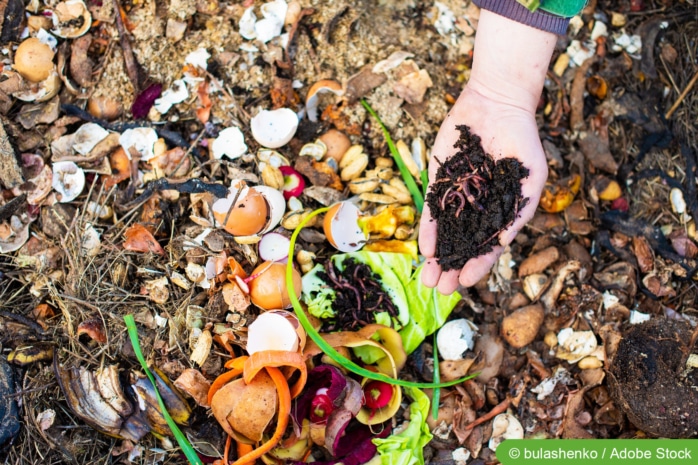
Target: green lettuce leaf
<point>317,294</point>
<point>406,447</point>
<point>429,310</point>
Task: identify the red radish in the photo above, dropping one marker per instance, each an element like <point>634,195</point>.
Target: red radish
<point>620,204</point>
<point>321,406</point>
<point>273,247</point>
<point>293,182</point>
<point>377,394</point>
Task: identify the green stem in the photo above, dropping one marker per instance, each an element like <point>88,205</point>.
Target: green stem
<point>323,345</point>
<point>437,378</point>
<point>187,449</point>
<point>406,175</point>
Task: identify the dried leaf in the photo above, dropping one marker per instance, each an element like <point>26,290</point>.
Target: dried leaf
<point>644,254</point>
<point>193,383</point>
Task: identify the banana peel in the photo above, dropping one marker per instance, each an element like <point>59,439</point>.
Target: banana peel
<point>98,399</point>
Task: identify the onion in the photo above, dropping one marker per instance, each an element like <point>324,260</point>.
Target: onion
<point>274,247</point>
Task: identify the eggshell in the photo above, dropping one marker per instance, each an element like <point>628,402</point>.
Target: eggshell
<point>271,331</point>
<point>276,204</point>
<point>268,288</point>
<point>312,99</point>
<point>274,128</point>
<point>247,217</point>
<point>342,228</point>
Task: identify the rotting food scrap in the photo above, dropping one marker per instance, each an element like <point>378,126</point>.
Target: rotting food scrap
<point>473,199</point>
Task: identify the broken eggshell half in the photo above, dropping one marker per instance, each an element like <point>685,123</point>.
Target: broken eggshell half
<point>71,19</point>
<point>274,128</point>
<point>312,100</point>
<point>341,226</point>
<point>247,211</point>
<point>272,331</point>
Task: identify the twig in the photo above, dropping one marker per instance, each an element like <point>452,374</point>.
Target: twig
<point>683,95</point>
<point>499,408</point>
<point>132,67</point>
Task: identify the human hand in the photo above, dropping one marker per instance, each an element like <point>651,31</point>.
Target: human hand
<point>498,104</point>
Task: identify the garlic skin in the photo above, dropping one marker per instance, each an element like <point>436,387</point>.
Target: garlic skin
<point>454,338</point>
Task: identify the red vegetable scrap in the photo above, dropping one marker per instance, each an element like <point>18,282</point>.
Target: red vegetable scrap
<point>293,182</point>
<point>321,406</point>
<point>145,100</point>
<point>377,394</point>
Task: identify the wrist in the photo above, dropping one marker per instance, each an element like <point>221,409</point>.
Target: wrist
<point>510,61</point>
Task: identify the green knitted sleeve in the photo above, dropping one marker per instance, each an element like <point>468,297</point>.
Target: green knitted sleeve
<point>564,8</point>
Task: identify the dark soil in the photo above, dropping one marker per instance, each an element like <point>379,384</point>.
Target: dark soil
<point>473,198</point>
<point>359,296</point>
<point>649,380</point>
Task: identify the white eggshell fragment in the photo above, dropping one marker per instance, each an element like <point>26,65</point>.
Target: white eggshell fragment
<point>247,22</point>
<point>271,331</point>
<point>198,58</point>
<point>344,233</point>
<point>230,143</point>
<point>273,22</point>
<point>68,180</point>
<point>313,98</point>
<point>87,136</point>
<point>19,234</point>
<point>273,247</point>
<point>678,204</point>
<point>175,94</point>
<point>139,141</point>
<point>575,345</point>
<point>277,205</point>
<point>274,128</point>
<point>455,338</point>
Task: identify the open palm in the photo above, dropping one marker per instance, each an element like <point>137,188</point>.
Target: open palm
<point>506,130</point>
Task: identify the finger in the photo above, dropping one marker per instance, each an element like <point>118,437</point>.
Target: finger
<point>477,267</point>
<point>448,282</point>
<point>431,273</point>
<point>427,233</point>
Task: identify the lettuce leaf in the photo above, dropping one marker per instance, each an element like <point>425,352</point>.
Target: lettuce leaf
<point>429,310</point>
<point>406,447</point>
<point>317,294</point>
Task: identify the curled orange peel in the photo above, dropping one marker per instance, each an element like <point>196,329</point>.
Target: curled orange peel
<point>282,419</point>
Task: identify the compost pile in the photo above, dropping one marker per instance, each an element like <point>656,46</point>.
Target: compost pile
<point>158,158</point>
